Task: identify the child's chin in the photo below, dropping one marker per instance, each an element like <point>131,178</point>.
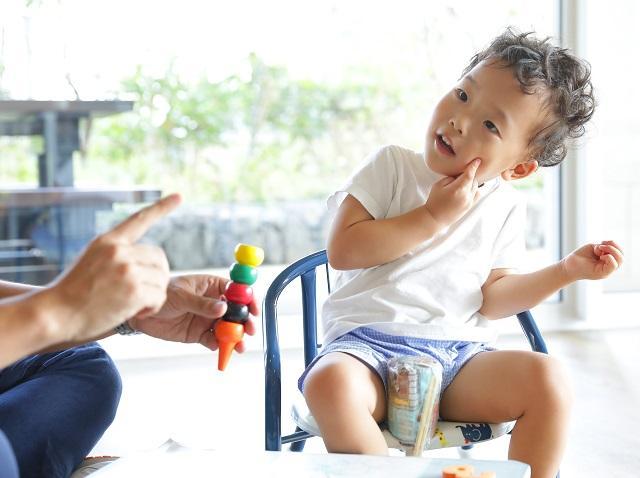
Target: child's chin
<point>439,168</point>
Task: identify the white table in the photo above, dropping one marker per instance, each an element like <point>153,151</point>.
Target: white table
<point>176,461</point>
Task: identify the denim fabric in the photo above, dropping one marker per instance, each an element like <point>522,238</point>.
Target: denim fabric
<point>55,407</point>
<point>8,465</point>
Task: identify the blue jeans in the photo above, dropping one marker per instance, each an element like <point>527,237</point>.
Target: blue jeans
<point>54,408</point>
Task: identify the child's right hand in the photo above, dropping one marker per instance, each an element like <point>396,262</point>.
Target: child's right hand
<point>450,198</point>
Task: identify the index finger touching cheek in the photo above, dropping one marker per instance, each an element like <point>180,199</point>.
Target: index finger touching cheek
<point>472,167</point>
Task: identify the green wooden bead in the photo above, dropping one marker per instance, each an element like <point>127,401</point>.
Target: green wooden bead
<point>243,274</point>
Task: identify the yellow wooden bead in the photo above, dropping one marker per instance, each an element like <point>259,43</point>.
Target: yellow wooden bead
<point>249,255</point>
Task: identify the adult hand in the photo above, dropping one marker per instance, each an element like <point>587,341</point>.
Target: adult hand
<point>593,261</point>
<point>450,198</point>
<point>113,279</point>
<point>193,305</point>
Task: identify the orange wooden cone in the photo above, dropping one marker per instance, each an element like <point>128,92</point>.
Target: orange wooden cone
<point>457,471</point>
<point>228,334</point>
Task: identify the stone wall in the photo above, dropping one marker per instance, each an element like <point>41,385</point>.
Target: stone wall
<point>200,238</point>
<point>204,237</point>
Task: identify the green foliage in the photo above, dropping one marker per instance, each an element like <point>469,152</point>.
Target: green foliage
<point>253,137</point>
<point>19,164</point>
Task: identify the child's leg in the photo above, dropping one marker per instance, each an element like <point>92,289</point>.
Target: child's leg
<point>514,385</point>
<point>347,399</point>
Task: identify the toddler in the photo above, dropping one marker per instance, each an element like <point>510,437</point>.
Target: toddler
<point>427,246</point>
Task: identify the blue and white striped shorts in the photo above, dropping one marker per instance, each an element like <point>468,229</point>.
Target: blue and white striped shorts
<point>375,348</point>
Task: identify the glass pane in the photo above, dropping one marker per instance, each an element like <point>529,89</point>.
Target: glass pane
<point>254,110</point>
<point>612,149</point>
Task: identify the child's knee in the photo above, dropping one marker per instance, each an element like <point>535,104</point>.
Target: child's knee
<point>550,383</point>
<point>326,383</point>
<point>339,379</point>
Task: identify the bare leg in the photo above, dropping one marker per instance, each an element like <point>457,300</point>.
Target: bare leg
<point>529,387</point>
<point>347,399</point>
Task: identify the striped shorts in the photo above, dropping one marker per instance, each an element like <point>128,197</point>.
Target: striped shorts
<point>375,348</point>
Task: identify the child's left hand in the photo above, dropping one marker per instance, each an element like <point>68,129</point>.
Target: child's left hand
<point>593,261</point>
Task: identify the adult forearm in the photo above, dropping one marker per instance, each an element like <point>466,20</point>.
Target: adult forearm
<point>67,345</point>
<point>374,242</point>
<point>11,289</point>
<point>24,328</point>
<point>32,323</point>
<point>514,293</point>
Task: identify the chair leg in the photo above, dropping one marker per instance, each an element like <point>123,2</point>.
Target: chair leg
<point>298,445</point>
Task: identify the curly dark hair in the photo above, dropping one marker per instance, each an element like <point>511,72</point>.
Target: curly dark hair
<point>565,78</point>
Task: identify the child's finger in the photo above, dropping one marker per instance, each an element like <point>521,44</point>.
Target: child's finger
<point>602,249</point>
<point>613,244</point>
<point>615,252</point>
<point>445,181</point>
<point>610,262</point>
<point>469,173</point>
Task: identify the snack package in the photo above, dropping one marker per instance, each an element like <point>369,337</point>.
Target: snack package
<point>412,403</point>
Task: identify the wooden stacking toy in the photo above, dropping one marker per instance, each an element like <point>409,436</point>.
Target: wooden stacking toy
<point>229,330</point>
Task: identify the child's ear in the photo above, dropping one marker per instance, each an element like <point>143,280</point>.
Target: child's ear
<point>520,170</point>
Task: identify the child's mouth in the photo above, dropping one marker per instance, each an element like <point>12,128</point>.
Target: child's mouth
<point>442,143</point>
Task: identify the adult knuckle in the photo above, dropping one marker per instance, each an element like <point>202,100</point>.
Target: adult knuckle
<point>125,270</point>
<point>112,250</point>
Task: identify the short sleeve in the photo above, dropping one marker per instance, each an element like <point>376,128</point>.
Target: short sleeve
<point>373,184</point>
<point>509,247</point>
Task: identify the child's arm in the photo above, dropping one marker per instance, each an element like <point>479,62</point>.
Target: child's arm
<point>506,294</point>
<point>357,240</point>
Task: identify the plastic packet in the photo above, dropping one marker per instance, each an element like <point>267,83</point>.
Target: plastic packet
<point>412,400</point>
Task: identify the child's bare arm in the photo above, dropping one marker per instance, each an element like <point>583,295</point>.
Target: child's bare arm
<point>506,294</point>
<point>357,240</point>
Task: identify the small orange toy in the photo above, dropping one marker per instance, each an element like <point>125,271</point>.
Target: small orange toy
<point>464,471</point>
<point>229,330</point>
<point>228,334</point>
<point>458,471</point>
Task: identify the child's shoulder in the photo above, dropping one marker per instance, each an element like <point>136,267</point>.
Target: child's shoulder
<point>397,152</point>
<point>397,156</point>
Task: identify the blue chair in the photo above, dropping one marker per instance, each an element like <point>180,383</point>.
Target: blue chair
<point>457,434</point>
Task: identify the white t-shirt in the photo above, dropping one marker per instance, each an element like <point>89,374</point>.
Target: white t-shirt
<point>434,291</point>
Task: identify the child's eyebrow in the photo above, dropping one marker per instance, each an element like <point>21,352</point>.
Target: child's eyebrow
<point>471,79</point>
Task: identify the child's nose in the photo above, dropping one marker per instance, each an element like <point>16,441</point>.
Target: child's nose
<point>456,124</point>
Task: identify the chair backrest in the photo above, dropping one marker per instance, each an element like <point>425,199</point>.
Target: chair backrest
<point>306,268</point>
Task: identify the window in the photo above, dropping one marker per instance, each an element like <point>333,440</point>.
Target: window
<point>255,111</point>
<point>612,179</point>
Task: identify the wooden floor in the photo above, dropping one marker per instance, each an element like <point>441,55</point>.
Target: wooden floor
<point>186,399</point>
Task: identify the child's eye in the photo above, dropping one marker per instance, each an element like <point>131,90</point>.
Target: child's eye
<point>461,94</point>
<point>491,127</point>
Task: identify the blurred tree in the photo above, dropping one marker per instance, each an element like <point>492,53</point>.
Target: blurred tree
<point>266,136</point>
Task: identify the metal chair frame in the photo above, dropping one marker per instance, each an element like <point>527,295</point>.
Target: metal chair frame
<point>305,268</point>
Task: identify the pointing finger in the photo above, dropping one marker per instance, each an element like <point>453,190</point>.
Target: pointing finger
<point>469,174</point>
<point>134,227</point>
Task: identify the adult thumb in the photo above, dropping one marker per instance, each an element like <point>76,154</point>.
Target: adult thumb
<point>201,305</point>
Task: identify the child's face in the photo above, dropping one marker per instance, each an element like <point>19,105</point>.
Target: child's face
<point>485,116</point>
